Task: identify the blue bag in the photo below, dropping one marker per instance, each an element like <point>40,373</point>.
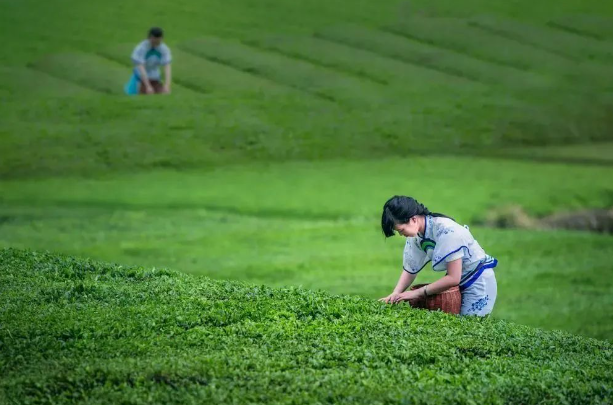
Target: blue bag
<point>131,87</point>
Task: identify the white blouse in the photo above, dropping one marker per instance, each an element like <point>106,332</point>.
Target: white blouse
<point>444,240</point>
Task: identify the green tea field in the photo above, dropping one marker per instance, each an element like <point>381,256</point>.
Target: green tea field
<point>241,213</point>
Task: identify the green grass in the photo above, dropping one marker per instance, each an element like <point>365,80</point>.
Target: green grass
<point>345,189</point>
<point>523,10</point>
<point>86,70</point>
<point>274,92</point>
<point>537,275</point>
<point>595,153</point>
<point>89,71</point>
<point>289,125</point>
<point>265,224</point>
<point>291,72</point>
<point>576,47</point>
<point>524,112</point>
<point>27,83</point>
<point>591,26</point>
<point>424,55</point>
<point>43,27</point>
<point>413,79</point>
<point>459,35</point>
<point>88,332</point>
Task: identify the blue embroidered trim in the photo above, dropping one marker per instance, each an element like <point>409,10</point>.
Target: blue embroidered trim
<point>449,254</point>
<point>485,261</point>
<point>422,267</point>
<point>477,273</point>
<point>428,218</point>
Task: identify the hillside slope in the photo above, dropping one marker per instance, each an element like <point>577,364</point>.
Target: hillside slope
<point>75,330</point>
<point>311,80</point>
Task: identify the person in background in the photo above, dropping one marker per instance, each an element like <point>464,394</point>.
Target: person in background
<point>148,56</point>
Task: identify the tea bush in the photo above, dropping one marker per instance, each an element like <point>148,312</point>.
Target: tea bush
<point>82,331</point>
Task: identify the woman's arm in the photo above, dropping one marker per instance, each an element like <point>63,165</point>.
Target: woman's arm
<point>451,279</point>
<point>405,280</point>
<point>143,78</point>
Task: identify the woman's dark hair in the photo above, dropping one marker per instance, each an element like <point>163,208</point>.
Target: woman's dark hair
<point>399,209</point>
<point>156,32</point>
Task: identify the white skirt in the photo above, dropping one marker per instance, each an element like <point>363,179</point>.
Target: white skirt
<point>479,298</point>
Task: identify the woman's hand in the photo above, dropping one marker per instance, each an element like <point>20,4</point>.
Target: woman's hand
<point>395,298</point>
<point>411,296</point>
<point>392,298</point>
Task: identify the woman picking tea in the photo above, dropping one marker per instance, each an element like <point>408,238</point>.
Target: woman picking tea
<point>437,238</point>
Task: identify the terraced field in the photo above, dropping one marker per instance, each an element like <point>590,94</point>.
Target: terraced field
<point>288,126</point>
<point>413,83</point>
<point>302,121</point>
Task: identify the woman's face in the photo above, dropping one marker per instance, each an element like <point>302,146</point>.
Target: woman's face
<point>409,229</point>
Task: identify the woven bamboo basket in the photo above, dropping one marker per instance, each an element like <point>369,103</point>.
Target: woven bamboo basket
<point>448,301</point>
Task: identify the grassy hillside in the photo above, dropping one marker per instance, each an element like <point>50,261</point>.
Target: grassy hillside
<point>334,189</point>
<point>316,225</point>
<point>277,81</point>
<point>291,122</point>
<point>45,26</point>
<point>81,331</point>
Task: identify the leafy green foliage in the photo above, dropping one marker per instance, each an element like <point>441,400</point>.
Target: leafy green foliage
<point>294,73</point>
<point>26,83</point>
<point>86,70</point>
<point>346,189</point>
<point>591,26</point>
<point>274,81</point>
<point>81,331</point>
<point>575,47</point>
<point>316,225</point>
<point>297,81</point>
<point>421,54</point>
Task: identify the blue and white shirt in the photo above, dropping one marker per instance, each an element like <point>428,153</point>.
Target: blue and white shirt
<point>152,58</point>
<point>444,240</point>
